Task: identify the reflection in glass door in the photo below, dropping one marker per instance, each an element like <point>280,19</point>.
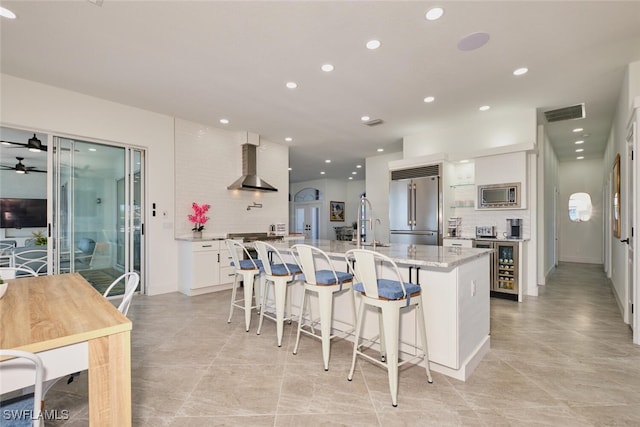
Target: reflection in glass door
<point>97,201</point>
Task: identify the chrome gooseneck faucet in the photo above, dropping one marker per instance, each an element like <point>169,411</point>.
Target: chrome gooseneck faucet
<point>368,218</point>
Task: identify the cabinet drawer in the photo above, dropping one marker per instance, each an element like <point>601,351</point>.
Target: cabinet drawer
<point>460,243</point>
<point>227,274</point>
<point>211,245</point>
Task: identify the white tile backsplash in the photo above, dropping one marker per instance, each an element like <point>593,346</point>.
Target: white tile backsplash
<point>472,217</point>
<point>207,160</point>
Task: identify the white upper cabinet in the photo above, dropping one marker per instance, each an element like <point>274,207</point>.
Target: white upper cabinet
<point>503,168</point>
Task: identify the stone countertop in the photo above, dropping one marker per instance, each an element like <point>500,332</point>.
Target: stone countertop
<point>416,255</point>
<point>489,239</point>
<point>209,238</point>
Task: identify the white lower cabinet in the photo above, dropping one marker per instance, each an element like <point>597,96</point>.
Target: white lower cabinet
<point>460,243</point>
<point>204,267</point>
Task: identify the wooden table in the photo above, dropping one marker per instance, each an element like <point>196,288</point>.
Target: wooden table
<point>71,327</point>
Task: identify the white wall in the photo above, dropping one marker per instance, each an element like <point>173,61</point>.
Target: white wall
<point>580,241</point>
<point>332,190</point>
<point>480,130</point>
<point>208,159</point>
<point>617,145</point>
<point>34,106</point>
<point>377,188</point>
<point>547,184</point>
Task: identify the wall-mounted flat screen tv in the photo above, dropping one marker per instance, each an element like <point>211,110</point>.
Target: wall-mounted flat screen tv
<point>23,213</point>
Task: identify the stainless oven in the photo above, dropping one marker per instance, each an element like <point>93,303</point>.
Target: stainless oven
<point>252,237</point>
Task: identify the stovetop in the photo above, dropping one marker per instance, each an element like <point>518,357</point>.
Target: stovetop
<point>252,237</point>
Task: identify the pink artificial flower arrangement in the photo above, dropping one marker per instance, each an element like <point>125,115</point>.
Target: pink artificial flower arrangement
<point>198,218</point>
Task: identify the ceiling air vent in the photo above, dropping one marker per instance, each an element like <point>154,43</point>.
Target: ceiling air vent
<point>567,113</point>
<point>374,122</point>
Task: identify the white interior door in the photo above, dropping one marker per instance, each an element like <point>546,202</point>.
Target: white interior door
<point>307,219</point>
<point>632,210</point>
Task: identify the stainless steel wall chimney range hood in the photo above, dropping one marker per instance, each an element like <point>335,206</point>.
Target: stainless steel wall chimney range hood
<point>250,181</point>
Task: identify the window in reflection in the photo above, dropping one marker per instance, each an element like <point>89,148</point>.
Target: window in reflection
<point>580,207</point>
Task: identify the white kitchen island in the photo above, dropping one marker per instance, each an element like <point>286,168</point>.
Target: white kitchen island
<point>455,283</point>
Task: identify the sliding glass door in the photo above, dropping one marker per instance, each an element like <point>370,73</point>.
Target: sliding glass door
<point>97,210</point>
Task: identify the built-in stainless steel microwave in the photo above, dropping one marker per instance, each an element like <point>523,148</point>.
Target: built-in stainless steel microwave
<point>499,196</point>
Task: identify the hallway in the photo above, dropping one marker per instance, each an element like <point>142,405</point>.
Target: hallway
<point>564,358</point>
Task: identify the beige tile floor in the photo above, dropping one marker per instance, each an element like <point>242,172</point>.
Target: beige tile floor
<point>564,358</point>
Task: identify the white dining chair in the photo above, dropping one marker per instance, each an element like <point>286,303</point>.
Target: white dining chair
<point>280,274</point>
<point>24,410</point>
<point>9,273</point>
<point>326,283</point>
<point>249,270</point>
<point>388,297</point>
<point>132,279</point>
<point>35,259</point>
<point>6,253</point>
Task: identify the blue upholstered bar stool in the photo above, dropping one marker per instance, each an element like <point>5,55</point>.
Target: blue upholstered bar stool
<point>280,274</point>
<point>388,297</point>
<point>325,283</point>
<point>249,269</point>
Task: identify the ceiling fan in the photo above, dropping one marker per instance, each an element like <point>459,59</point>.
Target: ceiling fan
<point>21,168</point>
<point>34,144</point>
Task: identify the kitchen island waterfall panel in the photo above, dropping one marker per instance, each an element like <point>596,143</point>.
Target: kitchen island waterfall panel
<point>455,289</point>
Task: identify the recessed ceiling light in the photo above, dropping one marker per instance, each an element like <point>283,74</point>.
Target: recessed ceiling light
<point>579,150</point>
<point>579,142</point>
<point>578,130</point>
<point>92,149</point>
<point>327,161</point>
<point>434,13</point>
<point>464,161</point>
<point>429,99</point>
<point>358,166</point>
<point>580,157</point>
<point>224,121</point>
<point>290,169</point>
<point>327,68</point>
<point>484,108</point>
<point>365,118</point>
<point>6,13</point>
<point>292,85</point>
<point>373,44</point>
<point>380,150</point>
<point>354,173</point>
<point>322,173</point>
<point>473,41</point>
<point>350,177</point>
<point>288,139</point>
<point>520,71</point>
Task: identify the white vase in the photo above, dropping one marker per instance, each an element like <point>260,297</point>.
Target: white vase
<point>197,235</point>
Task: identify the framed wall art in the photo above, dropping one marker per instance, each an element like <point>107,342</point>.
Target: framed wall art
<point>615,197</point>
<point>336,211</point>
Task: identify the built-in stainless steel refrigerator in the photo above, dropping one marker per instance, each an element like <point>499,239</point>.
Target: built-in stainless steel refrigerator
<point>414,211</point>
